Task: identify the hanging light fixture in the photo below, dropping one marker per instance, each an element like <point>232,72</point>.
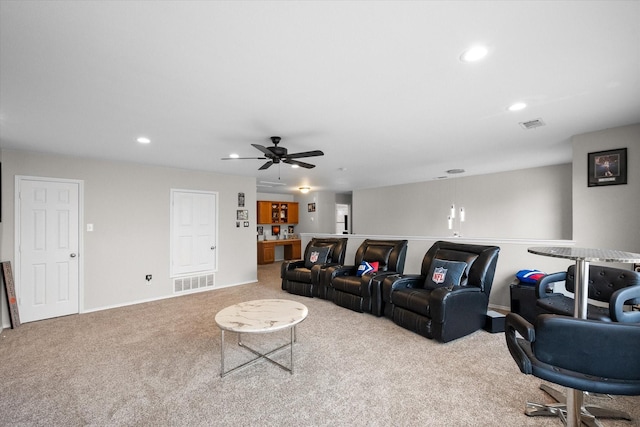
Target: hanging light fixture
<point>453,211</point>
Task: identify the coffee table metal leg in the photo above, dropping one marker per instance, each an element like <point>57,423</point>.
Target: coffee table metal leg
<point>259,355</point>
<point>222,353</point>
<point>293,335</point>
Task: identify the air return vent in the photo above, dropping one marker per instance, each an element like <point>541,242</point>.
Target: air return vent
<point>532,124</point>
<point>193,283</point>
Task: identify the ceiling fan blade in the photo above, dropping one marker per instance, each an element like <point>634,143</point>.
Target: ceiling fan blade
<point>242,158</point>
<point>299,163</point>
<point>305,154</point>
<point>262,148</point>
<point>266,165</point>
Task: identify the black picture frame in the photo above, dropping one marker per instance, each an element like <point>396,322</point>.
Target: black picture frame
<point>311,207</point>
<point>607,167</point>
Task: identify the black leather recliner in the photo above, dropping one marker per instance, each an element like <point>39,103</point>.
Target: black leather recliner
<point>443,311</point>
<point>302,277</point>
<point>606,284</point>
<point>349,290</point>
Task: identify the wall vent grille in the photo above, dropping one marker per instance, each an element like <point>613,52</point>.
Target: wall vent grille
<point>532,124</point>
<point>193,283</point>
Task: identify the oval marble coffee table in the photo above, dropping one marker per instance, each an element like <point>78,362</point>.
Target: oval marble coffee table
<point>257,317</point>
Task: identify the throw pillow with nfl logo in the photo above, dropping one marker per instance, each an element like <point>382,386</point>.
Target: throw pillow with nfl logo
<point>444,273</point>
<point>316,255</point>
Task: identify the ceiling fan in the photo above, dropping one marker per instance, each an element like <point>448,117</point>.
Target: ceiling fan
<point>276,154</point>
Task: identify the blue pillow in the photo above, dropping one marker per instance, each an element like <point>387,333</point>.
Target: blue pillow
<point>529,276</point>
<point>445,274</point>
<point>366,268</point>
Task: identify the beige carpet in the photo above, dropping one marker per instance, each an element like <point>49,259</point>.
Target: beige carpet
<point>158,364</point>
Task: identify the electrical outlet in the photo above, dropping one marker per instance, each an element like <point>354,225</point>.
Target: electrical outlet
<point>147,277</point>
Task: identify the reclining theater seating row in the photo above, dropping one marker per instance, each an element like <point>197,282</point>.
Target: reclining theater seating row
<point>447,300</point>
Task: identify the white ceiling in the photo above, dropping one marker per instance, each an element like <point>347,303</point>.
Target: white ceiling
<point>378,86</point>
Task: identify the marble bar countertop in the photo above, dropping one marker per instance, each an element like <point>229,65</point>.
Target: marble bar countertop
<point>586,254</point>
<point>265,315</point>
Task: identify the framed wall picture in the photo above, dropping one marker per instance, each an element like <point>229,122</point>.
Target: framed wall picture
<point>242,215</point>
<point>241,200</point>
<point>311,207</point>
<point>607,167</point>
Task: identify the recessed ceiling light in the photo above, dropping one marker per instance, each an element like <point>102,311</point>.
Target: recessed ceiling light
<point>234,155</point>
<point>143,140</point>
<point>474,53</point>
<point>517,106</point>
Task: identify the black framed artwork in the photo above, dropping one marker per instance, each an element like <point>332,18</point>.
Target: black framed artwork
<point>607,167</point>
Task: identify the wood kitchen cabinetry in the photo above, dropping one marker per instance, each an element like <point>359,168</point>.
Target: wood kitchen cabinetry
<point>277,212</point>
<point>267,250</point>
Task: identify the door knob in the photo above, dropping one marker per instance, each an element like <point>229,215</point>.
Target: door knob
<point>73,255</point>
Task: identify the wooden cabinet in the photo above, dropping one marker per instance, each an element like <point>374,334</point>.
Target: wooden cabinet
<point>264,212</point>
<point>293,213</point>
<point>277,212</point>
<point>267,250</point>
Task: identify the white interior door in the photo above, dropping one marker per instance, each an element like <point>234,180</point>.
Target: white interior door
<point>47,240</point>
<point>342,219</point>
<point>193,232</point>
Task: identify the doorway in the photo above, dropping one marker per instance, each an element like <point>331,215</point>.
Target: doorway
<point>194,232</point>
<point>48,247</point>
<point>343,216</point>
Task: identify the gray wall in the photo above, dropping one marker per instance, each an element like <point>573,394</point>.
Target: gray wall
<point>524,204</point>
<point>607,217</point>
<point>514,210</point>
<point>129,207</point>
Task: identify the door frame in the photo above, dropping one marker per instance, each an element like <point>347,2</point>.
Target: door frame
<point>16,231</point>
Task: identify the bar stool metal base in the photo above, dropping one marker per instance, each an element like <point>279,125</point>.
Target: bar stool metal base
<point>589,414</point>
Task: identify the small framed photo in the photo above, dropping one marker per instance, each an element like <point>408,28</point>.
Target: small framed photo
<point>607,167</point>
<point>241,200</point>
<point>311,207</point>
<point>242,215</point>
<point>290,229</point>
<point>246,223</point>
<point>260,230</point>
